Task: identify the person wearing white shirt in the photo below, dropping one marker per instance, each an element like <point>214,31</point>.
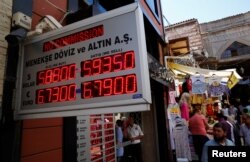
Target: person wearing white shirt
<point>135,135</point>
<point>225,110</point>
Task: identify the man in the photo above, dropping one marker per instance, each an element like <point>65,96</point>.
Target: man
<point>245,130</point>
<point>119,139</point>
<point>233,111</point>
<point>225,109</point>
<point>217,109</point>
<point>220,134</point>
<point>187,84</point>
<point>248,107</point>
<point>135,135</point>
<point>229,127</point>
<point>246,110</point>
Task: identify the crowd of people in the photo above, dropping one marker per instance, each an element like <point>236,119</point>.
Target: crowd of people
<point>230,125</point>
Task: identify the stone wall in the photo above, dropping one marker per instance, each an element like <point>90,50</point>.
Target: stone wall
<point>189,29</point>
<point>5,25</point>
<point>218,35</point>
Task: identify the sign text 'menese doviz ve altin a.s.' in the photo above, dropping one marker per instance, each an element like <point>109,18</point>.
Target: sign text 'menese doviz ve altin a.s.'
<point>97,65</point>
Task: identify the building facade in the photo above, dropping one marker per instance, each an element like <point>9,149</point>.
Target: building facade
<point>228,41</point>
<point>221,44</point>
<point>184,38</point>
<point>6,12</point>
<point>55,139</point>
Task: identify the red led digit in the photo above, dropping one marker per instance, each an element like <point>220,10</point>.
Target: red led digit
<point>86,68</point>
<point>64,73</point>
<point>48,76</point>
<point>98,87</point>
<point>40,96</point>
<point>108,64</point>
<point>107,87</point>
<point>55,94</point>
<point>107,67</point>
<point>41,77</point>
<point>130,86</point>
<point>129,60</point>
<point>117,61</point>
<point>87,90</point>
<point>96,66</point>
<point>72,71</point>
<point>63,93</point>
<point>118,85</point>
<point>110,86</point>
<point>56,75</point>
<point>72,92</point>
<point>48,95</point>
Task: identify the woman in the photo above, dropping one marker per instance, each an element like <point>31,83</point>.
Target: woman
<point>185,105</point>
<point>198,127</point>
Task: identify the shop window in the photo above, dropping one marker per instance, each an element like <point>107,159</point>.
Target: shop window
<point>153,5</point>
<point>236,49</point>
<point>179,46</point>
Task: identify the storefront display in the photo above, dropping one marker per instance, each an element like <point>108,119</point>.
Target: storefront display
<point>96,138</point>
<point>206,90</point>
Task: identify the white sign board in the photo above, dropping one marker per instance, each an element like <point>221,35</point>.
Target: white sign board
<point>97,63</point>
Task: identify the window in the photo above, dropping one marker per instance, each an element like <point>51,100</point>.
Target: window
<point>179,46</point>
<point>153,5</point>
<point>236,49</point>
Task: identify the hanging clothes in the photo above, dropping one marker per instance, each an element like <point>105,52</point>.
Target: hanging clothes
<point>210,111</point>
<point>173,112</point>
<point>199,85</point>
<point>198,99</point>
<point>217,90</point>
<point>180,133</point>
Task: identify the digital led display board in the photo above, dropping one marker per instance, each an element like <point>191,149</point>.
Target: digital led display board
<point>96,65</point>
<point>96,138</point>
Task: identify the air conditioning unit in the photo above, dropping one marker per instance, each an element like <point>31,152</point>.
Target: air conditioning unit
<point>19,19</point>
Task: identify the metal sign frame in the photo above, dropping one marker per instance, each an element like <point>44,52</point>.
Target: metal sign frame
<point>32,47</point>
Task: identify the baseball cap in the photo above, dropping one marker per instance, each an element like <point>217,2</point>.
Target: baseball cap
<point>246,110</point>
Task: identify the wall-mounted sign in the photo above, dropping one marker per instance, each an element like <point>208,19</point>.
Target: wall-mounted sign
<point>100,62</point>
<point>159,72</point>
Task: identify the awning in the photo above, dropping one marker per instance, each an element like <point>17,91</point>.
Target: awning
<point>229,76</point>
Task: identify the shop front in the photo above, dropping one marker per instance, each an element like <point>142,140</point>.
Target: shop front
<point>203,89</point>
<point>86,72</point>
